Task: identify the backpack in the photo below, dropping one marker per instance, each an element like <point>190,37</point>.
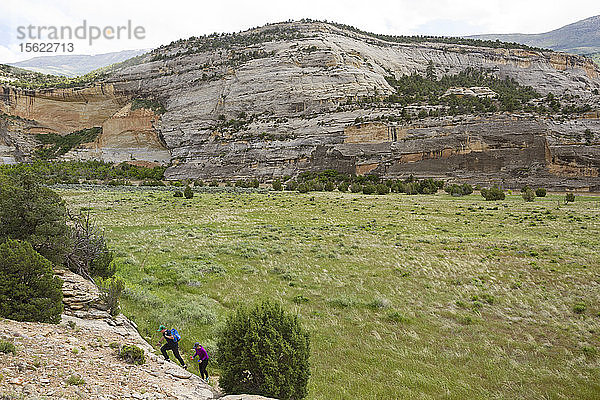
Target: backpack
<point>176,335</point>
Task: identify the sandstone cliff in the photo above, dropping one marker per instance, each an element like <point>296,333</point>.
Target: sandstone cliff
<point>283,98</point>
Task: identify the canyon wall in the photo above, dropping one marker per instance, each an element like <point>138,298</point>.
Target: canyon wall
<point>294,103</point>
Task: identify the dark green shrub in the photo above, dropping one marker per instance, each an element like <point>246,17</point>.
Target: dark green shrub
<point>412,188</point>
<point>214,183</point>
<point>528,195</point>
<point>429,186</point>
<point>454,190</point>
<point>329,186</point>
<point>291,185</point>
<point>7,347</point>
<point>277,185</point>
<point>316,185</point>
<point>75,380</point>
<point>254,183</point>
<point>579,307</point>
<point>382,188</point>
<point>343,186</point>
<point>31,212</point>
<point>458,190</point>
<point>303,188</point>
<point>132,354</point>
<point>569,198</point>
<point>356,188</point>
<point>299,299</point>
<point>178,193</point>
<point>369,189</point>
<point>264,351</point>
<point>540,192</point>
<point>400,187</point>
<point>111,291</point>
<point>187,192</point>
<point>198,183</point>
<point>494,193</point>
<point>153,182</point>
<point>29,291</point>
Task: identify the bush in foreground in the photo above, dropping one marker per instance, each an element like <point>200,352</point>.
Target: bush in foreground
<point>303,188</point>
<point>382,188</point>
<point>540,192</point>
<point>29,291</point>
<point>264,350</point>
<point>459,190</point>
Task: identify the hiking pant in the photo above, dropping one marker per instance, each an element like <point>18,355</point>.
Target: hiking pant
<point>175,348</point>
<point>202,367</point>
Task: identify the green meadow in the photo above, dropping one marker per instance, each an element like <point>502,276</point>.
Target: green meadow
<point>405,297</point>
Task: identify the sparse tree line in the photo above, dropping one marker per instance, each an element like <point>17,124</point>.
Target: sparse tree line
<point>511,96</point>
<point>88,172</point>
<point>54,145</point>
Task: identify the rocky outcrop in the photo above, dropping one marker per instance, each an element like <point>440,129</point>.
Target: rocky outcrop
<point>272,107</point>
<point>48,355</point>
<point>63,110</point>
<point>81,298</point>
<point>16,139</point>
<point>126,136</point>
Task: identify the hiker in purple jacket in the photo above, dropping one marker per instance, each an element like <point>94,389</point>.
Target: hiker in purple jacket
<point>202,359</point>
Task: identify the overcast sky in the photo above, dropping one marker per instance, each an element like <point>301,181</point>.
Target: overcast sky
<point>168,20</point>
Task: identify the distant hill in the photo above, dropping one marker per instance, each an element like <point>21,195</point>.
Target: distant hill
<point>74,65</point>
<point>582,37</point>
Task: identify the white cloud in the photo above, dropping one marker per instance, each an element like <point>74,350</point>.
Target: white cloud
<point>175,19</point>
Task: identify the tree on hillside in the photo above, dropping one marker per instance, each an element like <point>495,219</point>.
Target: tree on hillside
<point>32,212</point>
<point>29,291</point>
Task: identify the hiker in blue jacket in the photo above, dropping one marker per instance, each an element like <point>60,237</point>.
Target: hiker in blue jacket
<point>172,343</point>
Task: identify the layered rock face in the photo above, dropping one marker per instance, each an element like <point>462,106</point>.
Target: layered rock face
<point>271,106</point>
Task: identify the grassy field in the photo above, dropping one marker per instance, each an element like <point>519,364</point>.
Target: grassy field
<point>412,297</point>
